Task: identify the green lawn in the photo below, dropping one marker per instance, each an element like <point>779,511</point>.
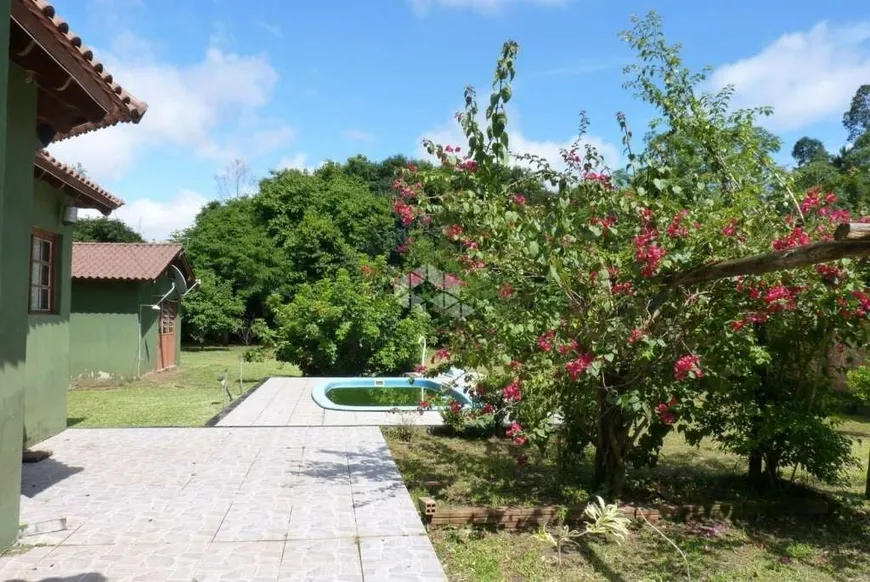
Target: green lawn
<point>186,396</point>
<point>483,472</point>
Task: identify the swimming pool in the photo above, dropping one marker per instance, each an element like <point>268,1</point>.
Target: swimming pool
<point>380,394</point>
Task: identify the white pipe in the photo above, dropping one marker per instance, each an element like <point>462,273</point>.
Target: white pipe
<point>139,347</point>
<point>191,288</point>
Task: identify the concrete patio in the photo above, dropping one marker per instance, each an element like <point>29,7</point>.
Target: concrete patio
<point>274,502</point>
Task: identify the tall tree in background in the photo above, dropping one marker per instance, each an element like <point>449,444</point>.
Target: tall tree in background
<point>105,229</point>
<point>857,119</point>
<point>808,149</point>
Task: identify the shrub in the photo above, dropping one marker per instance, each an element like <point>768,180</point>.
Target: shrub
<point>348,326</point>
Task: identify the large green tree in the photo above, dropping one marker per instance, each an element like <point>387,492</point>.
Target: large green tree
<point>104,229</point>
<point>857,119</point>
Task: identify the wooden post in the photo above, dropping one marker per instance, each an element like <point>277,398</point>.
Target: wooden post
<point>852,231</point>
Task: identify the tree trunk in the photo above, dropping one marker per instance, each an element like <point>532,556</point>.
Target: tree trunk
<point>610,451</point>
<point>756,474</point>
<point>867,485</point>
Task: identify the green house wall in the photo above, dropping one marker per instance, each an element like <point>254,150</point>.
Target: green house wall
<point>105,326</point>
<point>17,143</point>
<point>48,337</point>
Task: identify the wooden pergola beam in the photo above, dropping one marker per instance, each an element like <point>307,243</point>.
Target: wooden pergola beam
<point>853,241</point>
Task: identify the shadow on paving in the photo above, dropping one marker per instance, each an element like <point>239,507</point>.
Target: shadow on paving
<point>375,468</point>
<point>37,477</point>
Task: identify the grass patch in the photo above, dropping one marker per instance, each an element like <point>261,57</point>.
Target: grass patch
<point>483,472</point>
<point>185,396</point>
<point>831,550</point>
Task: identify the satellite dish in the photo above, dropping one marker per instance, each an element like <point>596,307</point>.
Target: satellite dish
<point>178,279</point>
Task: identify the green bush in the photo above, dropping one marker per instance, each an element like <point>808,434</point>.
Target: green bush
<point>348,326</point>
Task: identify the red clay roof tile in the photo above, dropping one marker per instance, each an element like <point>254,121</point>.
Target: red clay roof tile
<point>126,261</point>
<point>129,109</point>
<point>104,201</point>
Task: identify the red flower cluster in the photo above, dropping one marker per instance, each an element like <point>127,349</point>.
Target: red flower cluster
<point>688,364</point>
<point>512,392</point>
<point>405,212</point>
<point>814,200</point>
<point>453,232</point>
<point>600,178</point>
<point>515,432</point>
<point>451,149</point>
<point>830,273</point>
<point>637,334</point>
<point>605,223</point>
<point>566,349</point>
<point>676,229</point>
<point>467,165</point>
<point>545,342</point>
<point>487,408</point>
<point>665,413</point>
<point>580,365</point>
<point>442,354</point>
<point>455,406</point>
<point>730,229</point>
<point>519,199</point>
<point>797,237</point>
<point>622,288</point>
<point>420,368</point>
<point>505,291</point>
<point>471,263</point>
<point>781,298</point>
<point>648,253</point>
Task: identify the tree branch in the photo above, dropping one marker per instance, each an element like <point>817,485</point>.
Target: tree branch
<point>811,254</point>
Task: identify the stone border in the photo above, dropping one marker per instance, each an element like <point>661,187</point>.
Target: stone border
<point>232,405</point>
<point>518,518</point>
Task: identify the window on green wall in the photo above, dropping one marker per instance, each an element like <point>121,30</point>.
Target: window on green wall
<point>42,271</point>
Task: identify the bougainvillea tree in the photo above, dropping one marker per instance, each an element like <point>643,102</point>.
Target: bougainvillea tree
<point>580,322</point>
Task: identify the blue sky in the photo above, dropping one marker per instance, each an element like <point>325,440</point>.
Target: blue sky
<point>291,84</point>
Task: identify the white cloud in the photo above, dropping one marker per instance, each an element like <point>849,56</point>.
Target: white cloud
<point>157,220</point>
<point>485,6</point>
<point>520,144</point>
<point>806,76</point>
<point>358,135</point>
<point>208,108</point>
<point>297,162</point>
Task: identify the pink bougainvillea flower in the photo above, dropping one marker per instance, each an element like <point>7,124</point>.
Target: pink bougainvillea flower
<point>455,406</point>
<point>412,168</point>
<point>545,342</point>
<point>676,229</point>
<point>488,408</point>
<point>690,364</point>
<point>513,392</point>
<point>522,460</point>
<point>519,199</point>
<point>454,231</point>
<point>660,408</point>
<point>797,237</point>
<point>420,368</point>
<point>730,229</point>
<point>737,325</point>
<point>668,418</point>
<point>580,365</point>
<point>637,334</point>
<point>514,429</point>
<point>442,354</point>
<point>624,288</point>
<point>505,291</point>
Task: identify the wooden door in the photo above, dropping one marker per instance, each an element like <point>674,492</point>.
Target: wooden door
<point>166,339</point>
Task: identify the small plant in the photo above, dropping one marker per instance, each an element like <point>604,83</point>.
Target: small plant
<point>605,520</point>
<point>407,421</point>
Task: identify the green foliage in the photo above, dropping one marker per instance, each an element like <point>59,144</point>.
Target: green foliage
<point>104,229</point>
<point>859,383</point>
<point>212,310</point>
<point>347,326</point>
<point>857,119</point>
<point>227,240</point>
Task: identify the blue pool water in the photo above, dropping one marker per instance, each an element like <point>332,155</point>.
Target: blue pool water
<point>379,394</point>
